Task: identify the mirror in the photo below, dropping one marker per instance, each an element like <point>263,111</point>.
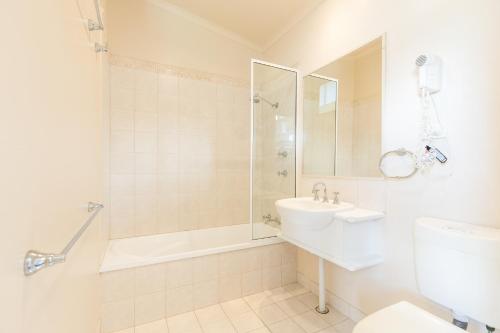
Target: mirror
<point>342,115</point>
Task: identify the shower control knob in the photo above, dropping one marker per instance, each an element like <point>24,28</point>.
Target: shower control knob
<point>283,153</point>
<point>283,173</point>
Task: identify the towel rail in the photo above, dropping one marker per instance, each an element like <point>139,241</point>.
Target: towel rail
<point>35,261</point>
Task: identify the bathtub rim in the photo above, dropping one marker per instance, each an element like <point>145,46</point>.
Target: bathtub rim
<point>110,265</point>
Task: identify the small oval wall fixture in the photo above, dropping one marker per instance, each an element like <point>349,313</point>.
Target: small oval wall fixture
<point>405,159</point>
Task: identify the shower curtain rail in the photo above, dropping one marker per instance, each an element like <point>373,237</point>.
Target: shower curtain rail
<point>93,25</point>
<point>35,261</point>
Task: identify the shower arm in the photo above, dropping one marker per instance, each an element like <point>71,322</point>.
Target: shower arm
<point>273,105</point>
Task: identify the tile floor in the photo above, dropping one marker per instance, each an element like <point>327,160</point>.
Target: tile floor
<point>289,309</point>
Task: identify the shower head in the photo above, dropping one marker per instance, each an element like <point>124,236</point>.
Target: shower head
<point>256,100</point>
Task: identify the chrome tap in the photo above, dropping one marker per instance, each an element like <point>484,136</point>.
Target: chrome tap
<point>336,200</point>
<point>268,219</point>
<point>315,191</point>
<point>282,153</point>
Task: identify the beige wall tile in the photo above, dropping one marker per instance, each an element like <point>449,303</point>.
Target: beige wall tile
<point>230,263</point>
<point>205,268</point>
<point>251,282</point>
<point>179,273</point>
<point>117,315</point>
<point>271,256</point>
<point>205,293</point>
<point>149,307</point>
<point>271,277</point>
<point>179,300</point>
<point>117,285</point>
<point>149,279</point>
<point>288,274</point>
<point>229,287</point>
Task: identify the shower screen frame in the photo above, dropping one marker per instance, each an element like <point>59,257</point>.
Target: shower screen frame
<point>253,62</point>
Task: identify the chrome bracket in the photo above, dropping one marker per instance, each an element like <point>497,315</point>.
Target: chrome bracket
<point>35,261</point>
<point>93,25</point>
<point>91,206</point>
<point>100,48</point>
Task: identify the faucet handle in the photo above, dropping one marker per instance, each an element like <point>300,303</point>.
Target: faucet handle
<point>315,192</point>
<point>325,196</point>
<point>336,199</point>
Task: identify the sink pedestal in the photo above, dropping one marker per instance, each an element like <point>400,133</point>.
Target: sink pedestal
<point>321,308</point>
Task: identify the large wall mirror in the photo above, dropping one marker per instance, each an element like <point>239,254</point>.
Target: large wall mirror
<point>342,115</point>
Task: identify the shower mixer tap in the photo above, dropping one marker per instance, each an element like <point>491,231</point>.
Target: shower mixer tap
<point>283,173</point>
<point>282,153</point>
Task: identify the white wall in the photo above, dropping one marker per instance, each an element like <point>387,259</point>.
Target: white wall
<point>51,146</point>
<point>465,35</point>
<point>148,30</point>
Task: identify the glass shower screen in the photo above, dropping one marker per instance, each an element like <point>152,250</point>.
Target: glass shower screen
<point>274,104</point>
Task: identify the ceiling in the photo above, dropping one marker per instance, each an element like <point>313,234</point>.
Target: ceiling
<point>260,22</point>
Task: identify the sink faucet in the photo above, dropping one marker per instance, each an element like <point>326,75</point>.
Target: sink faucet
<point>336,200</point>
<point>315,191</point>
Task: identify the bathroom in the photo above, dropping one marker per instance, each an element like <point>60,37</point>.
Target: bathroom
<point>169,148</point>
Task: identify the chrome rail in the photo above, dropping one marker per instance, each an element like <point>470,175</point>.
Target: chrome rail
<point>35,261</point>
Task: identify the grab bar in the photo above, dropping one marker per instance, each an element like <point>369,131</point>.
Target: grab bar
<point>34,261</point>
<point>93,25</point>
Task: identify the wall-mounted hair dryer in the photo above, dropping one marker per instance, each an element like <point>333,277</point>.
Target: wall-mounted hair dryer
<point>429,82</point>
<point>429,73</point>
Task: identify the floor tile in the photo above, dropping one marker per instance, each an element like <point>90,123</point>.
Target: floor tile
<point>235,307</point>
<point>271,314</point>
<point>279,294</point>
<point>330,329</point>
<point>286,326</point>
<point>223,326</point>
<point>295,289</point>
<point>183,323</point>
<point>257,300</point>
<point>210,314</point>
<point>345,327</point>
<point>261,330</point>
<point>159,326</point>
<point>128,330</point>
<point>309,299</point>
<point>246,322</point>
<point>310,322</point>
<point>334,317</point>
<point>292,306</point>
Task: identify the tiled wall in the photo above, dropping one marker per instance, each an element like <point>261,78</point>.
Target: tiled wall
<point>136,296</point>
<point>179,149</point>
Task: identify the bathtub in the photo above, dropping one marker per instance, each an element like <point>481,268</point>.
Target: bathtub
<point>148,250</point>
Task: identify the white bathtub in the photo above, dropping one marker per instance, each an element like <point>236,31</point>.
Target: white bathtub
<point>155,249</point>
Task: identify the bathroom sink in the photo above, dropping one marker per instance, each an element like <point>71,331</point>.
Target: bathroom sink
<point>307,213</point>
<point>340,233</point>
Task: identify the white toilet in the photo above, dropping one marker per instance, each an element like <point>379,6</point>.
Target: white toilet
<point>458,267</point>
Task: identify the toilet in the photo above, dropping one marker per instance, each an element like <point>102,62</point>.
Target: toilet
<point>458,267</point>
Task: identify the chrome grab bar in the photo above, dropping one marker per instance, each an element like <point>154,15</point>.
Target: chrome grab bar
<point>35,261</point>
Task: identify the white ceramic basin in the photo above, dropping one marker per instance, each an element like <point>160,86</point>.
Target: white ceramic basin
<point>307,213</point>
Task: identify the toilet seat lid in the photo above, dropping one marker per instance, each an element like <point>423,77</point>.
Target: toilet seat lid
<point>404,317</point>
